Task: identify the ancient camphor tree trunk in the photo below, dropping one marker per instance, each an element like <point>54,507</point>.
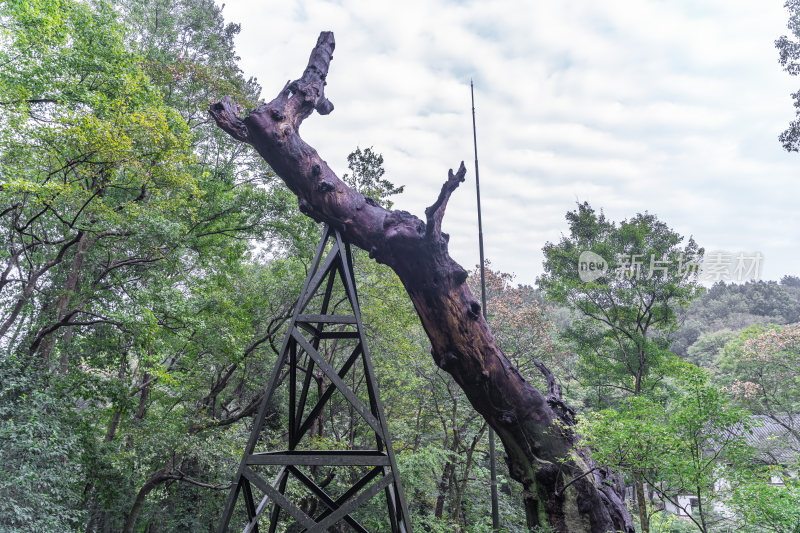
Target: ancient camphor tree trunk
<point>562,490</point>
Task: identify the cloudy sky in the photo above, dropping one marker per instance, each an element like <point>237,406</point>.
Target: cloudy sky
<point>667,106</point>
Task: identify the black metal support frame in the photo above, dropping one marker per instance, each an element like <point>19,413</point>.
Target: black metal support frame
<point>302,343</point>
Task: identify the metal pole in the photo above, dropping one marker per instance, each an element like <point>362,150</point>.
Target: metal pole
<point>492,455</point>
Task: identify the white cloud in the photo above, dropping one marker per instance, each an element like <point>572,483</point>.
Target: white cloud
<point>668,106</point>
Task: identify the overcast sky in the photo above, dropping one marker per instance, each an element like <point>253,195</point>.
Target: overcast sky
<point>667,106</point>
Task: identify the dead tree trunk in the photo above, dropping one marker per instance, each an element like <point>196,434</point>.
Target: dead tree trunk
<point>564,491</point>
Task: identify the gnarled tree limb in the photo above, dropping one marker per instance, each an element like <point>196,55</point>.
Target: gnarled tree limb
<point>538,438</point>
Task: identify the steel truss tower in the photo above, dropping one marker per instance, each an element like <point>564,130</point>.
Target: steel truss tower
<point>323,359</point>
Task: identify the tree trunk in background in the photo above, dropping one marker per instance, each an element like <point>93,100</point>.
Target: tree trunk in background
<point>156,479</point>
<point>67,293</point>
<point>535,428</point>
<point>444,488</point>
<point>641,503</point>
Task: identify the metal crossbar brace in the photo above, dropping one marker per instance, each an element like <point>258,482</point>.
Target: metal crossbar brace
<point>302,340</point>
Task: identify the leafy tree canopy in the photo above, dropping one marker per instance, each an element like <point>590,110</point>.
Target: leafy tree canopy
<point>624,316</point>
<point>366,176</point>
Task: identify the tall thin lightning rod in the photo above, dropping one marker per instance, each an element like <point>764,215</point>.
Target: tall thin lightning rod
<point>492,454</point>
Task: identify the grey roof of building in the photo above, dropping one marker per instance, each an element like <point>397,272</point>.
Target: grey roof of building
<point>776,438</point>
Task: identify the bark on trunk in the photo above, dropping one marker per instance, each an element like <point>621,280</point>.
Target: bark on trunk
<point>156,479</point>
<point>67,293</point>
<point>535,428</point>
<point>644,519</point>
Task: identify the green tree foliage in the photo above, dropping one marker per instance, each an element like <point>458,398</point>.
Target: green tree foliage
<point>626,312</point>
<point>789,49</point>
<point>762,369</point>
<point>756,368</point>
<point>624,318</point>
<point>705,352</point>
<point>767,499</point>
<point>734,307</point>
<point>690,445</point>
<point>38,451</point>
<point>366,176</point>
<point>83,137</point>
<point>132,315</point>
